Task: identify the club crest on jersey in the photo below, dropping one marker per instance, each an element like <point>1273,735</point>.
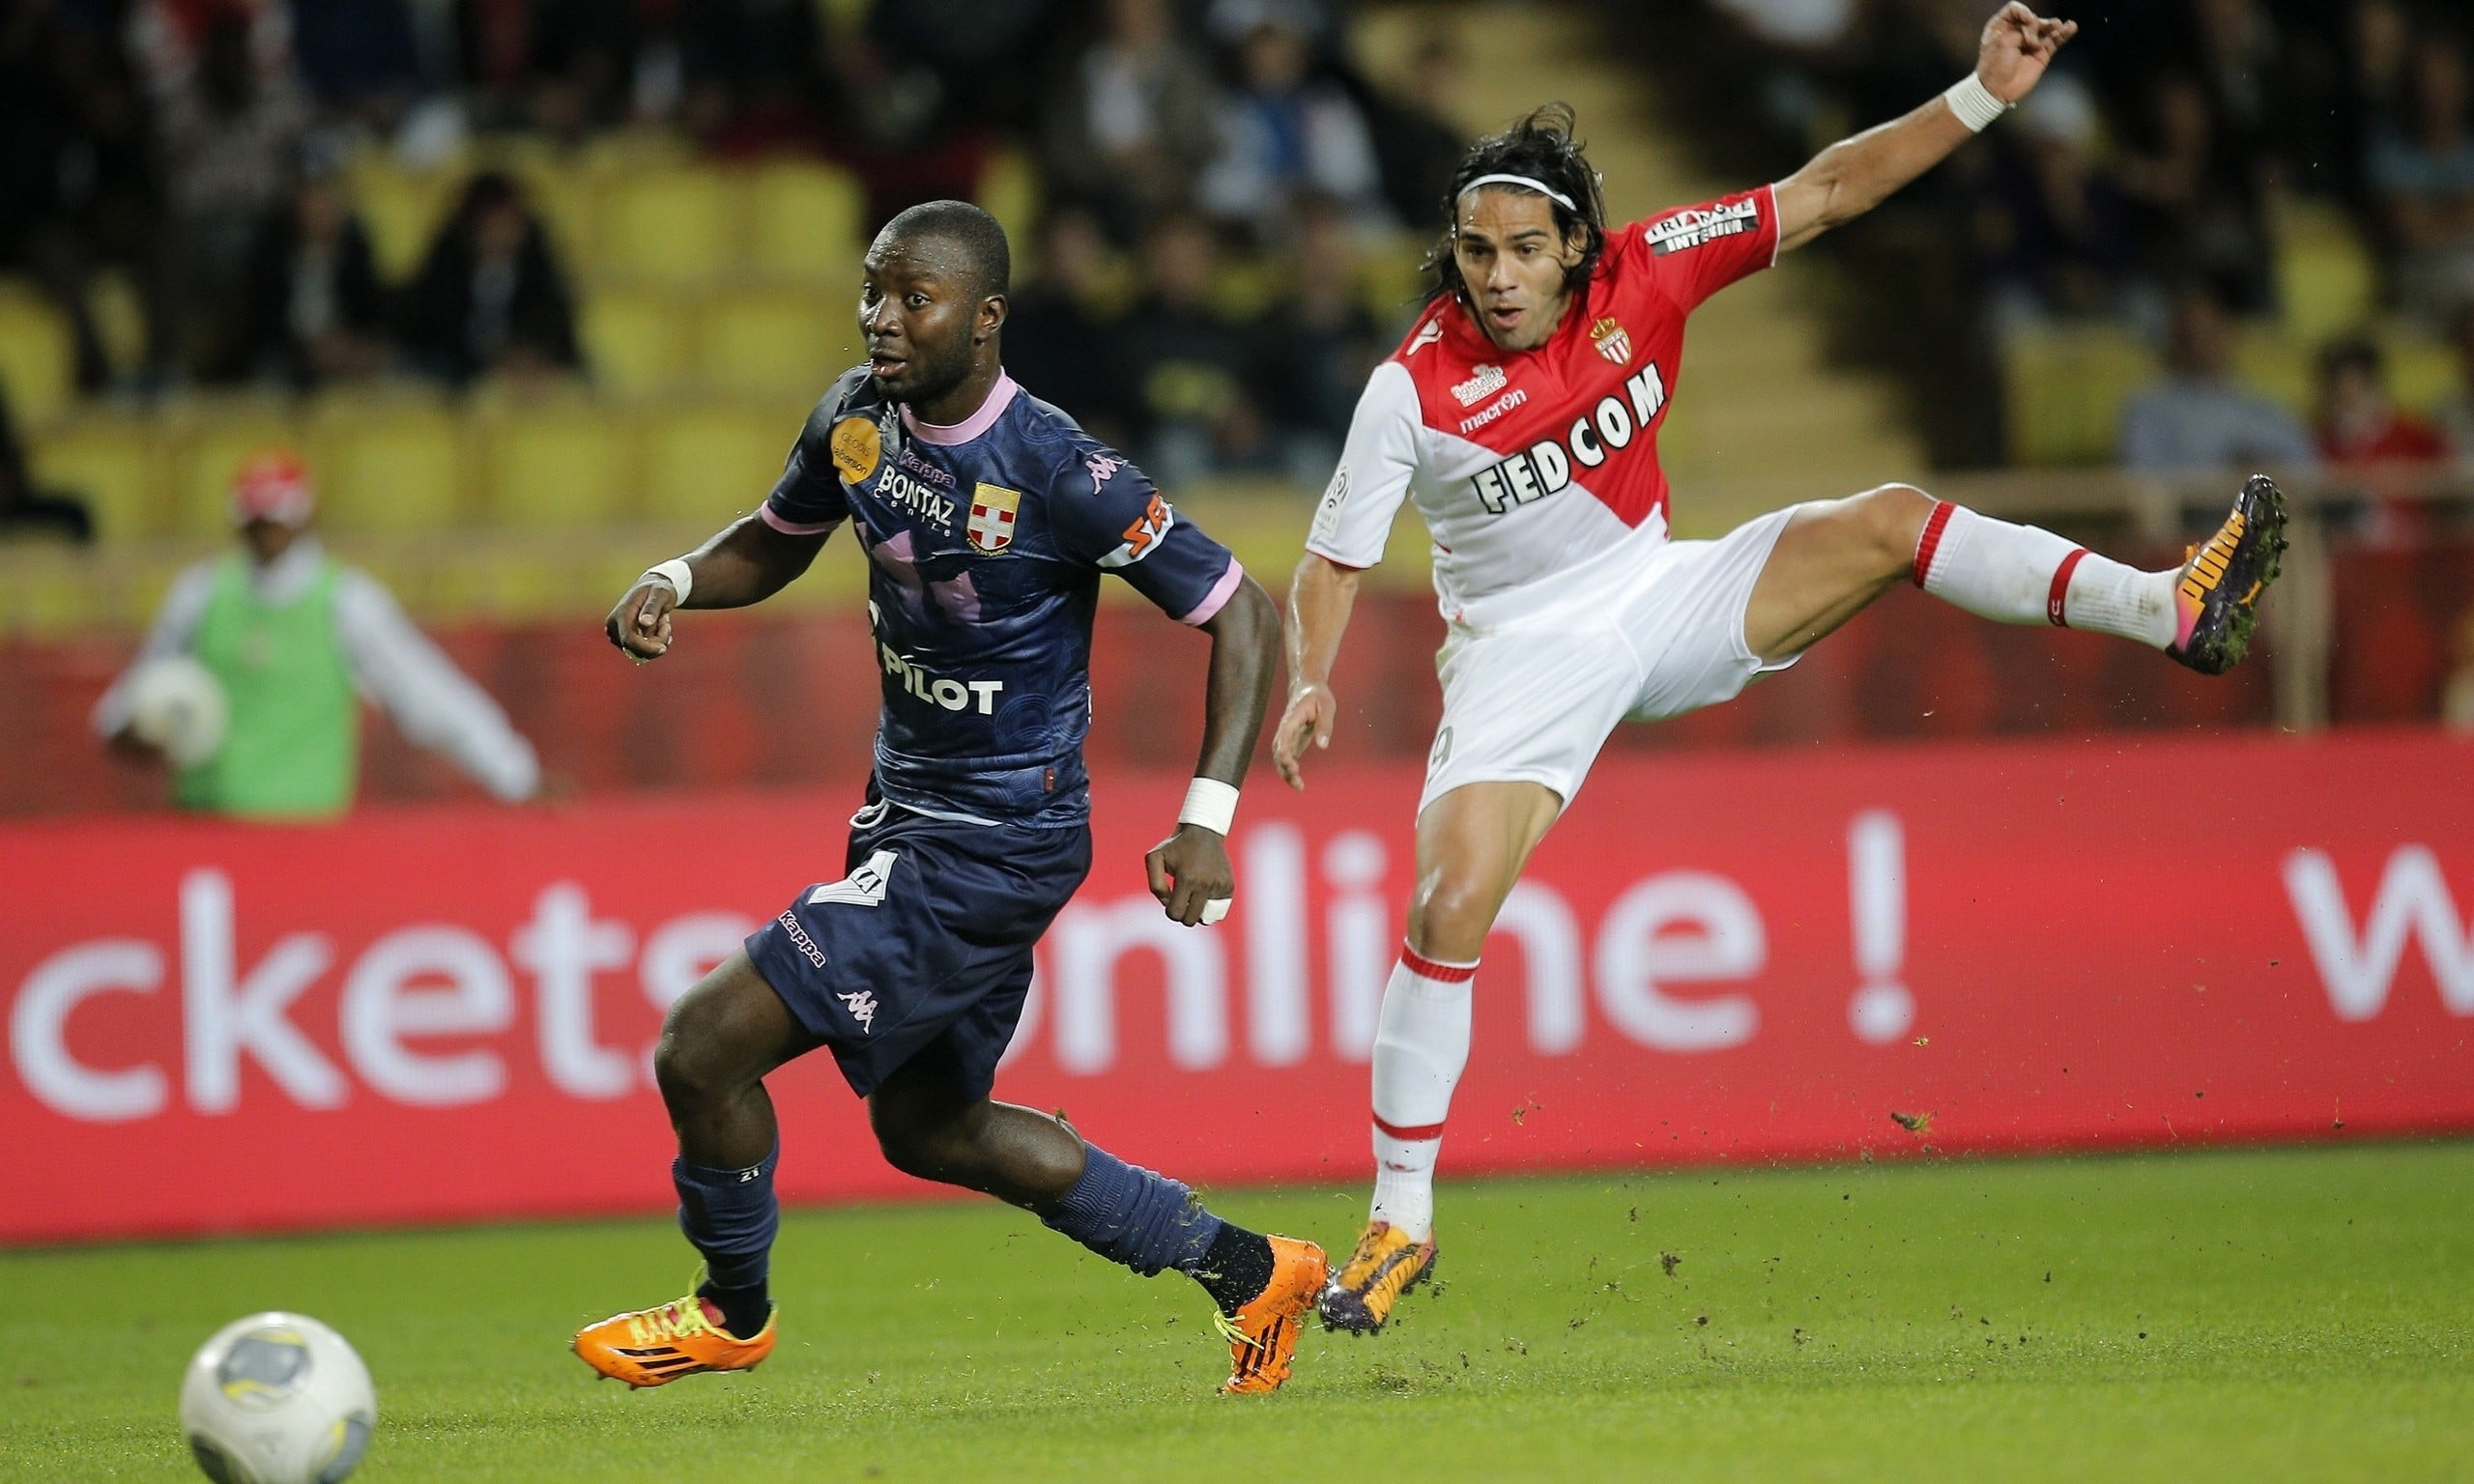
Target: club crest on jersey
<point>857,449</point>
<point>1612,341</point>
<point>993,509</point>
<point>1483,381</point>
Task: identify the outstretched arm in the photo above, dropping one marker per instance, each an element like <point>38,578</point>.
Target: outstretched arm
<point>1319,600</point>
<point>747,562</point>
<point>1858,174</point>
<point>1191,868</point>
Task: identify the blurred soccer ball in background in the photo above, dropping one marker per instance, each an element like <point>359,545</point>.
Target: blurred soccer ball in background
<point>176,704</point>
<point>278,1399</point>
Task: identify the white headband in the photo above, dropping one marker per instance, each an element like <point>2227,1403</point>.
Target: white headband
<point>1539,186</point>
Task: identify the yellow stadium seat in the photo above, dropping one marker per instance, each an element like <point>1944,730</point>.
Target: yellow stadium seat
<point>211,439</point>
<point>2421,373</point>
<point>709,463</point>
<point>401,210</point>
<point>634,341</point>
<point>677,227</point>
<point>1009,191</point>
<point>114,464</point>
<point>2278,366</point>
<point>804,225</point>
<point>38,355</point>
<point>120,319</point>
<point>389,469</point>
<point>561,465</point>
<point>774,343</point>
<point>2064,389</point>
<point>2327,282</point>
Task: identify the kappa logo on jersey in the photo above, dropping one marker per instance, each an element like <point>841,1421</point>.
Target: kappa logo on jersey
<point>1484,383</point>
<point>1147,532</point>
<point>1611,341</point>
<point>1693,226</point>
<point>857,449</point>
<point>862,888</point>
<point>1547,465</point>
<point>1103,469</point>
<point>1428,334</point>
<point>992,509</point>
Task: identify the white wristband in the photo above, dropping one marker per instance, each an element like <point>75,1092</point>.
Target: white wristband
<point>1211,804</point>
<point>675,572</point>
<point>1974,102</point>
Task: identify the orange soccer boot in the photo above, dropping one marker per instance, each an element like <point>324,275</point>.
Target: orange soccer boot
<point>1262,1335</point>
<point>656,1345</point>
<point>1387,1264</point>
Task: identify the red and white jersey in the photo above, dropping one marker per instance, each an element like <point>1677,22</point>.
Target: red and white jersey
<point>1533,467</point>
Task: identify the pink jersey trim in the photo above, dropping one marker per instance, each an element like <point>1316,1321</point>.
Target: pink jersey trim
<point>1218,598</point>
<point>792,528</point>
<point>999,397</point>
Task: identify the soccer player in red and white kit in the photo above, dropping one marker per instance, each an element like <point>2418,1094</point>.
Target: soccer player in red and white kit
<point>1522,415</point>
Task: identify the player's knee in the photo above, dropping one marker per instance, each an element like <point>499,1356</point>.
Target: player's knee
<point>1892,516</point>
<point>687,1072</point>
<point>1453,906</point>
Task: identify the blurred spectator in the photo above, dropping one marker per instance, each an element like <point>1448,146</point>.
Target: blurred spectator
<point>291,636</point>
<point>1415,145</point>
<point>1132,130</point>
<point>580,55</point>
<point>1796,44</point>
<point>1190,367</point>
<point>2197,418</point>
<point>490,295</point>
<point>359,57</point>
<point>2197,196</point>
<point>232,127</point>
<point>2362,432</point>
<point>2421,169</point>
<point>1057,343</point>
<point>2056,238</point>
<point>316,310</point>
<point>1321,344</point>
<point>2456,412</point>
<point>1284,130</point>
<point>26,508</point>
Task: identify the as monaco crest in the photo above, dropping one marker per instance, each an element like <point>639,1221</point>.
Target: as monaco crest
<point>1611,340</point>
<point>992,517</point>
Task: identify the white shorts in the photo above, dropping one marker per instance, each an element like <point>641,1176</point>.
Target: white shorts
<point>1533,700</point>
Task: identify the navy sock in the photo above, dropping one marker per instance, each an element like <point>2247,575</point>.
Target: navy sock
<point>731,1217</point>
<point>1128,1215</point>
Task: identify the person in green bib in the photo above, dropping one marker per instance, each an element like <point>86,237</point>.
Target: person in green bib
<point>295,638</point>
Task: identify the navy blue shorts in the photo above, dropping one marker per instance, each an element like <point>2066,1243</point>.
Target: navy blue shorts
<point>924,950</point>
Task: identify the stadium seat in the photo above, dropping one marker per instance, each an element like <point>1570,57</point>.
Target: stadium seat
<point>2421,373</point>
<point>2327,282</point>
<point>708,463</point>
<point>389,467</point>
<point>2278,365</point>
<point>804,225</point>
<point>677,227</point>
<point>776,342</point>
<point>209,438</point>
<point>2064,388</point>
<point>1009,191</point>
<point>401,210</point>
<point>112,463</point>
<point>38,355</point>
<point>560,464</point>
<point>635,340</point>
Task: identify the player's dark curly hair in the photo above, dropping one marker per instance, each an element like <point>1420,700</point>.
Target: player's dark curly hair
<point>1543,147</point>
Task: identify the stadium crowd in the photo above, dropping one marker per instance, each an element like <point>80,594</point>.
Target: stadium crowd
<point>194,150</point>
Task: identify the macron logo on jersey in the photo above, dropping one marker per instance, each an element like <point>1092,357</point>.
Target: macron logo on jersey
<point>1547,465</point>
<point>1691,227</point>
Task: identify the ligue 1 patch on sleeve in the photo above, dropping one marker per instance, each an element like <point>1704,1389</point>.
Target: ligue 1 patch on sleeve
<point>992,509</point>
<point>857,449</point>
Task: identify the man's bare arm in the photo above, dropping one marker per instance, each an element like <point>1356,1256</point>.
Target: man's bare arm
<point>747,561</point>
<point>1858,174</point>
<point>1191,868</point>
<point>1319,600</point>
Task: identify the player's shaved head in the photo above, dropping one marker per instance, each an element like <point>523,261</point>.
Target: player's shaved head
<point>965,238</point>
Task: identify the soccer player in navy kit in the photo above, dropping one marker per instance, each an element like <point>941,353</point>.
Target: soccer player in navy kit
<point>988,517</point>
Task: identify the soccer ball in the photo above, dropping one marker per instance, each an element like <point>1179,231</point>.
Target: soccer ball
<point>175,704</point>
<point>278,1399</point>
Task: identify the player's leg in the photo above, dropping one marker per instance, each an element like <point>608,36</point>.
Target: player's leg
<point>934,1119</point>
<point>1835,556</point>
<point>1473,843</point>
<point>718,1043</point>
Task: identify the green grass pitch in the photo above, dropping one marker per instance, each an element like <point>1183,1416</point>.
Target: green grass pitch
<point>2238,1314</point>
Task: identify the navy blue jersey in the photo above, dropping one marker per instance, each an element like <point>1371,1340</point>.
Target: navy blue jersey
<point>986,541</point>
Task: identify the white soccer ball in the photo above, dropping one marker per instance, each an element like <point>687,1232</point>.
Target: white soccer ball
<point>278,1399</point>
<point>177,705</point>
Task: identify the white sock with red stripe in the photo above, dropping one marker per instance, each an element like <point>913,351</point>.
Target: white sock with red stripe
<point>1421,1043</point>
<point>2019,574</point>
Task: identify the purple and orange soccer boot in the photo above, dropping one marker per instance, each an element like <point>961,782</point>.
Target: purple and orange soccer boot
<point>2216,599</point>
<point>1388,1263</point>
<point>656,1345</point>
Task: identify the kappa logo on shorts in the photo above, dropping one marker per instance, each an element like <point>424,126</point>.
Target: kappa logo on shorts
<point>800,940</point>
<point>862,1005</point>
<point>862,888</point>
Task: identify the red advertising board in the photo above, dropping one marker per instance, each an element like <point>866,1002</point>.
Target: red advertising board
<point>445,1014</point>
